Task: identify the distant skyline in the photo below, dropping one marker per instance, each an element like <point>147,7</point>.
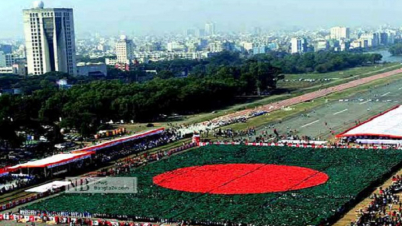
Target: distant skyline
<point>141,17</point>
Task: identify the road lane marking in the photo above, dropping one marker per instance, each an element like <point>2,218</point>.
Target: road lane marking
<point>337,113</point>
<point>400,88</point>
<point>364,102</point>
<point>385,94</point>
<point>311,123</point>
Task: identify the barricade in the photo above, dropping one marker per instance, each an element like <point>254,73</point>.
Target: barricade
<point>201,144</point>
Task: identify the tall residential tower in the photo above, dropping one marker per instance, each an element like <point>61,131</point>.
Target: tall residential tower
<point>210,29</point>
<point>340,33</point>
<point>50,40</point>
<point>298,45</point>
<point>124,50</point>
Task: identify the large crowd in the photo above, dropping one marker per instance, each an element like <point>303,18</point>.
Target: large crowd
<point>120,167</point>
<point>128,164</point>
<point>268,134</point>
<point>385,207</point>
<point>168,136</point>
<point>14,182</point>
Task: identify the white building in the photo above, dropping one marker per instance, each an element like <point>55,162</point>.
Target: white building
<point>210,29</point>
<point>6,70</point>
<point>16,69</point>
<point>174,46</point>
<point>124,50</point>
<point>372,39</point>
<point>355,44</point>
<point>215,47</point>
<point>50,40</point>
<point>340,33</point>
<point>321,45</point>
<point>298,45</point>
<point>248,46</point>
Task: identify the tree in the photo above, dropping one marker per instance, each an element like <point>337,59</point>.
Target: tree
<point>396,49</point>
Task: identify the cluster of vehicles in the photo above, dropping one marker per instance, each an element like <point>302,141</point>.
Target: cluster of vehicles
<point>364,100</point>
<point>308,80</point>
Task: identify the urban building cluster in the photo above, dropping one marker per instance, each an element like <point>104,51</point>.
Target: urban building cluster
<point>51,44</point>
<point>344,39</point>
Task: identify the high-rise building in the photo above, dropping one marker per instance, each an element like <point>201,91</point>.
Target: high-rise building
<point>9,60</point>
<point>210,28</point>
<point>50,40</point>
<point>124,50</point>
<point>372,39</point>
<point>2,59</point>
<point>298,45</point>
<point>340,33</point>
<point>383,36</point>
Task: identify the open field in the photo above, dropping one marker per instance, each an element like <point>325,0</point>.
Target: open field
<point>340,110</point>
<point>343,77</point>
<point>349,171</point>
<point>296,81</point>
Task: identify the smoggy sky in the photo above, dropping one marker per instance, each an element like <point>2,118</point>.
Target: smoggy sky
<point>114,17</point>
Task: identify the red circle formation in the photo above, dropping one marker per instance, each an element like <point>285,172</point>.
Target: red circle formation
<point>232,179</point>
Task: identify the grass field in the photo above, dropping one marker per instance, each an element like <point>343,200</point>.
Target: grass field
<point>298,88</point>
<point>336,77</point>
<point>350,172</point>
<point>306,106</point>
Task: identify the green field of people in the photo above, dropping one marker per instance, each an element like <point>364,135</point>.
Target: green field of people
<point>349,173</point>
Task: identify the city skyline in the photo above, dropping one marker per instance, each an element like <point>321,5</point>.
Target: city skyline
<point>158,17</point>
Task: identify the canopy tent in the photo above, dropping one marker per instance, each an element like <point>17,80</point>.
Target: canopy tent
<point>55,160</point>
<point>4,171</point>
<point>121,140</point>
<point>49,186</point>
<point>387,125</point>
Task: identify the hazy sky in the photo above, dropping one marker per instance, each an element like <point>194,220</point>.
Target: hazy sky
<point>144,16</point>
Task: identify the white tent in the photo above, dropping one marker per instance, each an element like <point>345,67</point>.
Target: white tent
<point>55,160</point>
<point>385,125</point>
<point>49,186</point>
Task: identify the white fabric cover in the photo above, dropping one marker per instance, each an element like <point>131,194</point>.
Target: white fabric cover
<point>388,124</point>
<point>49,186</point>
<point>48,161</point>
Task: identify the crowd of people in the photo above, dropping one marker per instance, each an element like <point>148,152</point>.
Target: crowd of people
<point>385,207</point>
<point>230,133</point>
<point>168,136</point>
<point>14,182</point>
<point>130,163</point>
<point>268,134</point>
<point>120,167</point>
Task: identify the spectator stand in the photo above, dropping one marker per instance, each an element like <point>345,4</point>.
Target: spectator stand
<point>52,164</point>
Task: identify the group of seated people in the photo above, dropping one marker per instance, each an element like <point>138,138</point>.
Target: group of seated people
<point>235,133</point>
<point>13,182</point>
<point>167,136</point>
<point>126,165</point>
<point>385,207</point>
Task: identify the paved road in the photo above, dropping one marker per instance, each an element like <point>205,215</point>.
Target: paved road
<point>341,114</point>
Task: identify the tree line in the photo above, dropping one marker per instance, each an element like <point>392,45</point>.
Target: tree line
<point>396,50</point>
